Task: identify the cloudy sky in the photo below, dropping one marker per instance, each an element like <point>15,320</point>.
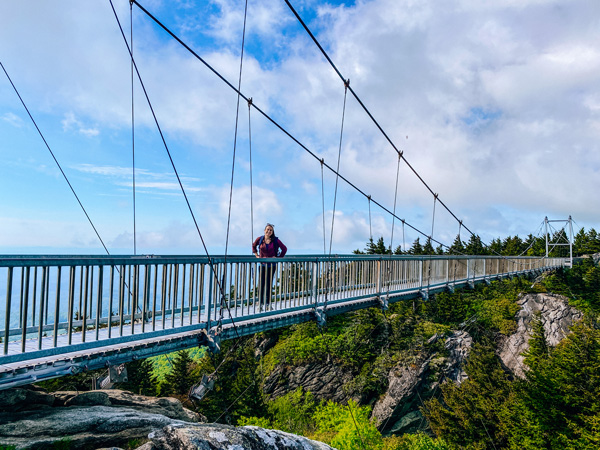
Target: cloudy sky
<point>495,104</point>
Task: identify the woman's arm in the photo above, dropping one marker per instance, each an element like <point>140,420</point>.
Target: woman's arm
<point>255,251</point>
<point>282,249</point>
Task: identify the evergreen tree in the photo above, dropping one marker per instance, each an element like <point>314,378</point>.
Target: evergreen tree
<point>457,247</point>
<point>417,248</point>
<point>179,380</point>
<point>428,248</point>
<point>475,246</point>
<point>140,378</point>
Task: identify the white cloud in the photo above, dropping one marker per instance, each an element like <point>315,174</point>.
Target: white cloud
<point>499,102</point>
<point>13,119</point>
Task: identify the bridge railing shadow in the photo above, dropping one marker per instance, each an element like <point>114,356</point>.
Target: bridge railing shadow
<point>56,303</point>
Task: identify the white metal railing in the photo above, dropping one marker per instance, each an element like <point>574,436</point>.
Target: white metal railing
<point>59,301</point>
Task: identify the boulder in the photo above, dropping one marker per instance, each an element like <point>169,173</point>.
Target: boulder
<point>216,436</point>
<point>557,317</point>
<point>85,427</point>
<point>34,419</point>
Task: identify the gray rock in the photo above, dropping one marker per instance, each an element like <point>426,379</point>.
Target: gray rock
<point>19,399</point>
<point>398,410</point>
<point>93,426</point>
<point>92,398</point>
<point>166,406</point>
<point>318,378</point>
<point>215,436</point>
<point>556,316</point>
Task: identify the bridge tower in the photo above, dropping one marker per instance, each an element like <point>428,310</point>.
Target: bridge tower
<point>568,223</point>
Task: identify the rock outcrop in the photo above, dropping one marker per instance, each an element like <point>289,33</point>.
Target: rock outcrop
<point>216,436</point>
<point>318,378</point>
<point>31,419</point>
<point>556,316</point>
<point>398,410</point>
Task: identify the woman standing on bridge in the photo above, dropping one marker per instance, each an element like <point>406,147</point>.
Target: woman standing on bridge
<point>267,246</point>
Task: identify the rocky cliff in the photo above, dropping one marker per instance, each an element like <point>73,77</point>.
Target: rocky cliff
<point>557,317</point>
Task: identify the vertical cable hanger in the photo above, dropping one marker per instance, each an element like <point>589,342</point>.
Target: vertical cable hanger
<point>250,156</point>
<point>393,221</point>
<point>323,202</point>
<point>346,84</point>
<point>132,127</point>
<point>370,227</point>
<point>237,113</point>
<point>435,197</point>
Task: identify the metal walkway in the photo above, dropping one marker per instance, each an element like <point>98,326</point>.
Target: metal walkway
<point>66,314</point>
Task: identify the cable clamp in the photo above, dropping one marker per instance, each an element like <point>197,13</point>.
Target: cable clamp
<point>347,83</point>
<point>249,102</point>
<point>383,302</point>
<point>210,339</point>
<point>199,391</point>
<point>320,315</point>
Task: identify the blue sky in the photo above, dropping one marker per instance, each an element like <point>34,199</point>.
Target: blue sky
<point>496,105</point>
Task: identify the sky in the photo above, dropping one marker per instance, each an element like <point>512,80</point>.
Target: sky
<point>496,105</point>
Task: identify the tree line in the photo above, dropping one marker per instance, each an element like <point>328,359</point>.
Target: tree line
<point>584,243</point>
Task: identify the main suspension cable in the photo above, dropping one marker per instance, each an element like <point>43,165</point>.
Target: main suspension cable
<point>269,118</point>
<point>55,160</point>
<point>366,109</point>
<point>132,127</point>
<point>210,261</point>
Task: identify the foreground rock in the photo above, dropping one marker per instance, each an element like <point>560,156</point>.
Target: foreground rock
<point>556,316</point>
<point>31,419</point>
<point>398,410</point>
<point>215,436</point>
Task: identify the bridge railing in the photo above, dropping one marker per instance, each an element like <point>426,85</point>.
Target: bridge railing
<point>58,301</point>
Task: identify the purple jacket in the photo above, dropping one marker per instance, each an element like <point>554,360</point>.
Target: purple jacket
<point>268,250</point>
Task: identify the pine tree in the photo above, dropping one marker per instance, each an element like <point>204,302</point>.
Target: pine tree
<point>140,378</point>
<point>417,248</point>
<point>179,380</point>
<point>428,248</point>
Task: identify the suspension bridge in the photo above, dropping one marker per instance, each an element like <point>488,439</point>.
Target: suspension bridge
<point>64,314</point>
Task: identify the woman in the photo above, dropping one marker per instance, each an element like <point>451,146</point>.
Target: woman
<point>267,246</point>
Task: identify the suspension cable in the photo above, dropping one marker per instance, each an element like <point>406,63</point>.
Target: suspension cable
<point>323,202</point>
<point>346,84</point>
<point>210,261</point>
<point>370,227</point>
<point>55,160</point>
<point>269,118</point>
<point>250,156</point>
<point>365,108</point>
<point>132,127</point>
<point>237,113</point>
<point>395,198</point>
<point>435,197</point>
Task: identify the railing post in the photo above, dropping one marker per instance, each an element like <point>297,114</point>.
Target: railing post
<point>379,278</point>
<point>8,302</point>
<point>315,281</point>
